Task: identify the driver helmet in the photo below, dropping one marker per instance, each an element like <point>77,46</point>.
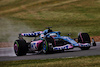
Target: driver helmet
<point>53,34</point>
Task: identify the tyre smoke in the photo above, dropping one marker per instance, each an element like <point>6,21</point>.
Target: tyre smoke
<point>9,30</point>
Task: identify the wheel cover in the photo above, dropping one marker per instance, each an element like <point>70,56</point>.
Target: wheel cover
<point>16,46</point>
<point>45,46</point>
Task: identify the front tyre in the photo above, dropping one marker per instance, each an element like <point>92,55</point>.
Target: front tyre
<point>20,47</point>
<point>85,48</point>
<point>84,38</point>
<point>48,45</point>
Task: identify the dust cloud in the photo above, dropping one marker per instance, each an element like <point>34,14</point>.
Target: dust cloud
<point>9,30</point>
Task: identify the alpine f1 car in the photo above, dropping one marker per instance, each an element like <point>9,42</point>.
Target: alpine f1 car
<point>48,41</point>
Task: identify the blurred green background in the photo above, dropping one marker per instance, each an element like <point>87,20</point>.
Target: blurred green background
<point>67,16</point>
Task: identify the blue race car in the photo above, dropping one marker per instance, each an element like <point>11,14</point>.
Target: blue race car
<point>48,41</point>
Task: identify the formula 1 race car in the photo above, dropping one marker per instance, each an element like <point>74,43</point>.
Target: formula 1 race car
<point>48,41</point>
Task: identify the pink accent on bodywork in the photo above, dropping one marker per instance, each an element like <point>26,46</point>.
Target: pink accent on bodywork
<point>81,37</point>
<point>54,40</point>
<point>84,43</point>
<point>37,42</point>
<point>79,44</point>
<point>16,47</point>
<point>41,32</point>
<point>70,46</point>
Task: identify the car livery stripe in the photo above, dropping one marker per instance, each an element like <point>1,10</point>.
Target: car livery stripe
<point>33,34</point>
<point>65,47</point>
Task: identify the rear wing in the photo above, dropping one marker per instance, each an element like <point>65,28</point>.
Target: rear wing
<point>33,34</point>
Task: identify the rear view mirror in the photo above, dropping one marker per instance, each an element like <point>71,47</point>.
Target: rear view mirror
<point>69,34</point>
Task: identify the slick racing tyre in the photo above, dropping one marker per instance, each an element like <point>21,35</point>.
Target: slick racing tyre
<point>85,48</point>
<point>48,45</point>
<point>20,47</point>
<point>84,38</point>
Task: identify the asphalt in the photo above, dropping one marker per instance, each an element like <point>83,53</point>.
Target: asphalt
<point>7,54</point>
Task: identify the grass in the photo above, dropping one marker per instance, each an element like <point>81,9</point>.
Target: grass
<point>90,61</point>
<point>67,16</point>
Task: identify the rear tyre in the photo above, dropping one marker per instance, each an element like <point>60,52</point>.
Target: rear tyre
<point>20,47</point>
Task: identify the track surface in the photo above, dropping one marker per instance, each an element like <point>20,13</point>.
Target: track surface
<point>7,54</point>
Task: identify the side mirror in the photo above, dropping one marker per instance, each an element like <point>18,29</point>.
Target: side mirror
<point>69,34</point>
